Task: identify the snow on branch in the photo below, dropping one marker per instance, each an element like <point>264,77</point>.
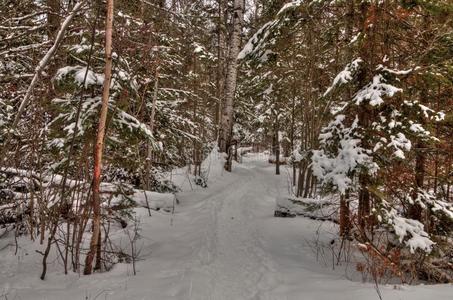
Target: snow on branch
<point>257,46</point>
<point>336,168</point>
<point>426,198</point>
<point>400,143</point>
<point>289,6</point>
<point>77,73</point>
<point>409,231</point>
<point>45,60</point>
<point>89,111</point>
<point>344,76</point>
<point>375,90</point>
<point>396,72</point>
<point>257,41</point>
<point>130,122</point>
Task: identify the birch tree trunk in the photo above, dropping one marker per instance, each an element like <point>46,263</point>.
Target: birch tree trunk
<point>225,134</point>
<point>99,147</point>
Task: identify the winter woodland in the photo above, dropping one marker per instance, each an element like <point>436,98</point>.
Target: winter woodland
<point>226,149</point>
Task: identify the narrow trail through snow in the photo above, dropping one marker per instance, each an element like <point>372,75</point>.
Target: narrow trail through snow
<point>233,255</point>
<point>222,243</point>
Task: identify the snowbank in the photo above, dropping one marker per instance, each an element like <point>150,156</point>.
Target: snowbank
<point>154,200</point>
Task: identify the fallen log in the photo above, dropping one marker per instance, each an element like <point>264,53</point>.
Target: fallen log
<point>290,208</point>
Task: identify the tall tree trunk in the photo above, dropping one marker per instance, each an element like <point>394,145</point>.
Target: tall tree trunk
<point>274,142</point>
<point>308,179</point>
<point>149,155</point>
<point>220,76</point>
<point>364,112</point>
<point>277,147</point>
<point>344,214</point>
<point>293,109</point>
<point>344,200</point>
<point>53,17</point>
<point>99,147</point>
<point>301,178</point>
<point>364,200</point>
<point>53,24</point>
<point>415,210</point>
<point>230,83</point>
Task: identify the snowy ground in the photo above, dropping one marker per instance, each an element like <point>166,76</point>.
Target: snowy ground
<point>222,243</point>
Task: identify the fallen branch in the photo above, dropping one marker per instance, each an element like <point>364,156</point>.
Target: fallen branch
<point>56,180</point>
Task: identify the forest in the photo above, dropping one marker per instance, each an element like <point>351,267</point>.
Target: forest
<point>226,149</point>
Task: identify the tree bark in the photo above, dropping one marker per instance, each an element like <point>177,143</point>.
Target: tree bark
<point>364,112</point>
<point>53,18</point>
<point>225,134</point>
<point>415,210</point>
<point>344,200</point>
<point>308,179</point>
<point>344,214</point>
<point>99,147</point>
<point>277,147</point>
<point>220,63</point>
<point>149,155</point>
<point>301,179</point>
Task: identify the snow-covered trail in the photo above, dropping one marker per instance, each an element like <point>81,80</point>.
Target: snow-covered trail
<point>232,255</point>
<point>223,243</point>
